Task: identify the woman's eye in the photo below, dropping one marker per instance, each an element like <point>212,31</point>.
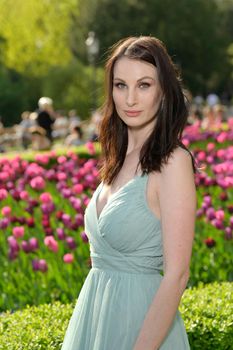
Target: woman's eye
<point>144,85</point>
<point>119,85</point>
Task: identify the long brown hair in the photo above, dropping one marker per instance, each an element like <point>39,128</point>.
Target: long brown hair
<point>171,116</point>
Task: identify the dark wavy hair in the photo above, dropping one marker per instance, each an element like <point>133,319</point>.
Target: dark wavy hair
<point>171,116</point>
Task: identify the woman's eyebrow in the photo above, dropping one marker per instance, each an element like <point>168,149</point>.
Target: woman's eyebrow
<point>146,77</point>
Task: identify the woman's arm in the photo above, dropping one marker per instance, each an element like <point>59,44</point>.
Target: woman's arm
<point>177,199</point>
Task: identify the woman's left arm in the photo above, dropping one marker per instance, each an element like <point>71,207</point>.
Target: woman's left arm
<point>177,200</point>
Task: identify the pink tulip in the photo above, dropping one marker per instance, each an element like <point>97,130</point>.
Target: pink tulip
<point>78,188</point>
<point>61,159</point>
<point>42,158</point>
<point>186,142</point>
<point>37,183</point>
<point>39,265</point>
<point>222,137</point>
<point>33,244</point>
<point>210,146</point>
<point>201,156</point>
<point>90,147</point>
<point>13,243</point>
<point>45,197</point>
<point>6,211</point>
<point>18,231</point>
<point>61,176</point>
<point>219,214</point>
<point>24,195</point>
<point>3,194</point>
<point>68,258</point>
<point>51,243</point>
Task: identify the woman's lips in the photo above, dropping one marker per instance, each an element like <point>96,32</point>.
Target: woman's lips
<point>132,113</point>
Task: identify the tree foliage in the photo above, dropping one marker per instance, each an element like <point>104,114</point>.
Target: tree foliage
<point>193,31</point>
<point>35,34</point>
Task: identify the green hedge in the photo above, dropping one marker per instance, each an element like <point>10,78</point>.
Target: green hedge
<point>207,312</point>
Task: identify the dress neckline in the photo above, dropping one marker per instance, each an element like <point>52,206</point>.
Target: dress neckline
<point>112,195</point>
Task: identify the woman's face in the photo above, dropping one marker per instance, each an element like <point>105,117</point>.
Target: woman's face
<point>136,92</point>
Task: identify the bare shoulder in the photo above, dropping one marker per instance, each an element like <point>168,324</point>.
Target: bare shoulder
<point>180,161</point>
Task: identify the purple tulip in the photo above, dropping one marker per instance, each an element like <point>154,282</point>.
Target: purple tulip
<point>231,221</point>
<point>66,192</point>
<point>84,237</point>
<point>13,244</point>
<point>12,254</point>
<point>208,200</point>
<point>39,265</point>
<point>60,233</point>
<point>210,213</point>
<point>218,224</point>
<point>35,265</point>
<point>79,219</point>
<point>228,233</point>
<point>71,242</point>
<point>4,223</point>
<point>25,246</point>
<point>66,220</point>
<point>48,208</point>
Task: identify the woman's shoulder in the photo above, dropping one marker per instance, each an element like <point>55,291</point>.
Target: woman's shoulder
<point>179,164</point>
<point>180,156</point>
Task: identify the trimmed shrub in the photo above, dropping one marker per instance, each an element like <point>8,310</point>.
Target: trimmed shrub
<point>207,312</point>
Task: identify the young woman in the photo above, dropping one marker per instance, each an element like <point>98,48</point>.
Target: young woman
<point>141,218</point>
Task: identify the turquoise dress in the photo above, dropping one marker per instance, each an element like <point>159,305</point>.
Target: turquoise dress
<point>127,259</point>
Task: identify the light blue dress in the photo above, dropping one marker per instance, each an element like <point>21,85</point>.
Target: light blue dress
<point>127,259</point>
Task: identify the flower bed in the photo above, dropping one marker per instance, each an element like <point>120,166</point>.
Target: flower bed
<point>44,251</point>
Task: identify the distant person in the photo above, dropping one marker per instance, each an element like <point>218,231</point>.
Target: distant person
<point>208,122</point>
<point>60,126</point>
<point>75,138</point>
<point>219,111</point>
<point>74,119</point>
<point>39,140</point>
<point>212,99</point>
<point>24,126</point>
<point>195,116</point>
<point>46,115</point>
<point>93,128</point>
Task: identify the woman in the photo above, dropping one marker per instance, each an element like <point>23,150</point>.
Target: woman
<point>140,220</point>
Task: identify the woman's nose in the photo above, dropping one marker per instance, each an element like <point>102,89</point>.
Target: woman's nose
<point>131,98</point>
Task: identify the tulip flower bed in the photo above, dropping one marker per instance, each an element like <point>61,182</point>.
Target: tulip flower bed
<point>44,251</point>
<point>212,257</point>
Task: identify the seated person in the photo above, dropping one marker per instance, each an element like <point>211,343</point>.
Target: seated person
<point>75,138</point>
<point>39,139</point>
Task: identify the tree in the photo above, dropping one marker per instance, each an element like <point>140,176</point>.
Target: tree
<point>35,34</point>
<point>191,30</point>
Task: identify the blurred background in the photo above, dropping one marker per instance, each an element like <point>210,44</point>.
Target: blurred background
<point>46,48</point>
